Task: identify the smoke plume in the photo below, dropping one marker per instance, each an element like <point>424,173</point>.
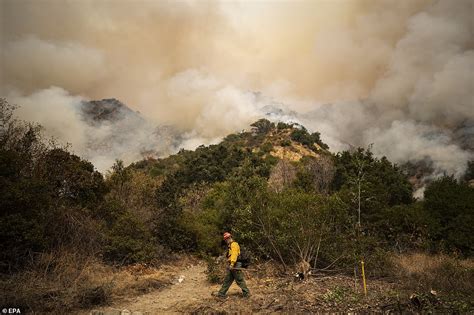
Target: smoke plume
<point>398,74</point>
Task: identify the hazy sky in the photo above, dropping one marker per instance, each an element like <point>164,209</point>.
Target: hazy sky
<point>395,73</point>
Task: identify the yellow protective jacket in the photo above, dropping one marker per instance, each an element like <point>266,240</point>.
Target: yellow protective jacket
<point>233,253</point>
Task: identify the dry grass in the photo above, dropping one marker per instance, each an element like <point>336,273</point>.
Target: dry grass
<point>448,276</point>
<point>62,281</point>
<point>421,263</point>
<point>292,153</point>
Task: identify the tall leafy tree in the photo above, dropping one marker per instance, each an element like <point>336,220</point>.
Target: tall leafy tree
<point>451,204</point>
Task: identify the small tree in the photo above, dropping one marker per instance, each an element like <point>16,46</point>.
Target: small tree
<point>263,126</point>
<point>316,174</point>
<point>282,176</point>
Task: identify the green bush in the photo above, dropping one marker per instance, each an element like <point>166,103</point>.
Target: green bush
<point>215,269</point>
<point>451,204</point>
<point>263,126</point>
<point>267,147</point>
<point>44,188</point>
<point>282,125</point>
<point>129,241</point>
<point>404,228</point>
<point>285,143</point>
<point>302,136</point>
<point>207,226</point>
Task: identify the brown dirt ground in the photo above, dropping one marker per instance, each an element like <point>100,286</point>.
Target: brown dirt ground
<point>271,292</point>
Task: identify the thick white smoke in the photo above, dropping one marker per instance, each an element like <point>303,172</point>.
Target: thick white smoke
<point>398,74</point>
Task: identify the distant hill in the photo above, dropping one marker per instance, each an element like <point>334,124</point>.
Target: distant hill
<point>265,142</point>
<point>125,134</point>
<point>116,131</point>
<point>108,109</point>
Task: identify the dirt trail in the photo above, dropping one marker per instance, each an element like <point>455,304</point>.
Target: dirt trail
<point>271,293</point>
<point>194,289</point>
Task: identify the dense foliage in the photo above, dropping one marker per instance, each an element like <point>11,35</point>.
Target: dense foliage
<point>451,207</point>
<point>318,210</point>
<point>45,191</point>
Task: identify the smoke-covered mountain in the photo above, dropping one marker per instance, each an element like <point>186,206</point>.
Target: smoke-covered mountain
<point>108,110</point>
<point>117,132</point>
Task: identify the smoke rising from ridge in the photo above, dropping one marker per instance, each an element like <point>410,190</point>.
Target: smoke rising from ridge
<point>399,74</point>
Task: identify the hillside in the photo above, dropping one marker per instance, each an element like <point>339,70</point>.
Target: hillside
<point>114,131</point>
<point>118,131</point>
<point>73,238</point>
<point>266,141</point>
<point>109,110</point>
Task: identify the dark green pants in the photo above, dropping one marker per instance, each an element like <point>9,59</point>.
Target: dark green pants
<point>236,275</point>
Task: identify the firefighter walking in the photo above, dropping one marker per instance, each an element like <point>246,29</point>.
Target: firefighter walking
<point>236,274</point>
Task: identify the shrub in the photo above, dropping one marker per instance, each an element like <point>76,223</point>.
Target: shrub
<point>129,241</point>
<point>263,126</point>
<point>302,136</point>
<point>285,143</point>
<point>215,269</point>
<point>267,147</point>
<point>404,228</point>
<point>282,125</point>
<point>451,204</point>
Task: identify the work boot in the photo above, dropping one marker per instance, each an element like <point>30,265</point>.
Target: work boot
<point>219,296</point>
